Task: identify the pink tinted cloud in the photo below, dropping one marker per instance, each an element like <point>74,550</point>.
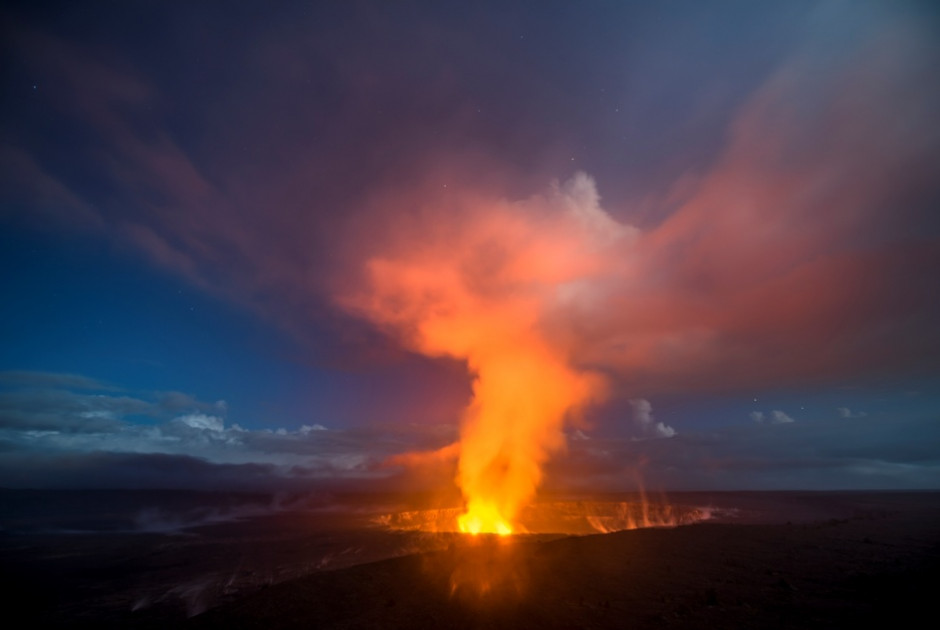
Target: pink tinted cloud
<point>797,255</point>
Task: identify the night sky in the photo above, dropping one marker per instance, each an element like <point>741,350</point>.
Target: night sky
<point>191,193</point>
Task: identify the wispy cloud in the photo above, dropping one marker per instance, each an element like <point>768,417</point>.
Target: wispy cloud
<point>775,417</point>
<point>36,379</point>
<point>845,412</point>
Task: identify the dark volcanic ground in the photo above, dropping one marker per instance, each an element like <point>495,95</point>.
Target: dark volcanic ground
<point>875,566</point>
<point>842,559</point>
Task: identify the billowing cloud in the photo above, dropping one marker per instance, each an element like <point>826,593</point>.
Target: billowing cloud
<point>488,285</point>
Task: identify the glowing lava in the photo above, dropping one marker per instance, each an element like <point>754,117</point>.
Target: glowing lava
<point>522,394</point>
<point>482,519</point>
<point>568,517</point>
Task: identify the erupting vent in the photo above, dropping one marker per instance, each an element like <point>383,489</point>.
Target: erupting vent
<point>561,517</point>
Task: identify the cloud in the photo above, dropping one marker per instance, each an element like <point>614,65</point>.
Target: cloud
<point>845,412</point>
<point>643,419</point>
<point>779,417</point>
<point>786,216</point>
<point>36,379</point>
<point>776,417</point>
<point>818,454</point>
<point>57,437</point>
<point>180,401</point>
<point>201,421</point>
<point>195,449</point>
<point>66,411</point>
<point>102,469</point>
<point>812,200</point>
<point>49,198</point>
<point>69,403</point>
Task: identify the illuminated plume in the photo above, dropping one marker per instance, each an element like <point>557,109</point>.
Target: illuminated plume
<point>488,283</point>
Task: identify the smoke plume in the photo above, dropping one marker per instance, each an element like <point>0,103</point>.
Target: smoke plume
<point>489,282</point>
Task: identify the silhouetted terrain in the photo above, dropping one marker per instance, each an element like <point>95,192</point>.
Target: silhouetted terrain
<point>775,560</point>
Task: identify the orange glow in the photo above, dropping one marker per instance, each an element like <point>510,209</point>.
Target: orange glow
<point>485,285</point>
<point>514,423</point>
<point>571,517</point>
<point>482,519</point>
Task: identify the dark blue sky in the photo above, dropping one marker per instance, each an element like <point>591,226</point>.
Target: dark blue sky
<point>190,196</point>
